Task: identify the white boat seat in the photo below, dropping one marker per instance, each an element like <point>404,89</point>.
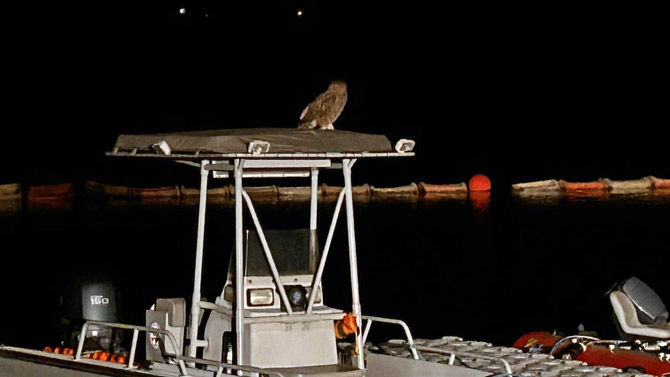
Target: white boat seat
<point>649,306</point>
<point>627,315</point>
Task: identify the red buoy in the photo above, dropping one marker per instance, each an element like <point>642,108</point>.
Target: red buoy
<point>479,182</point>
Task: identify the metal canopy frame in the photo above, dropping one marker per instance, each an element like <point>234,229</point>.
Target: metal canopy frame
<point>244,165</point>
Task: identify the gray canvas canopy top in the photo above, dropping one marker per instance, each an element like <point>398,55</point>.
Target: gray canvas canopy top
<point>234,142</point>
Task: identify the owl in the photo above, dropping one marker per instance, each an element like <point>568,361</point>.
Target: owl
<point>326,108</point>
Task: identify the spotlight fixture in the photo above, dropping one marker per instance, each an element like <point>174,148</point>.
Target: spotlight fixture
<point>299,12</point>
<point>258,146</point>
<point>162,147</point>
<point>404,145</point>
<point>182,10</point>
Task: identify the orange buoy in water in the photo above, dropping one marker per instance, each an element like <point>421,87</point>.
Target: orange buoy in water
<point>479,182</point>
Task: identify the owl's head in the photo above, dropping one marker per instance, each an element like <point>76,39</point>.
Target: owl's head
<point>338,86</point>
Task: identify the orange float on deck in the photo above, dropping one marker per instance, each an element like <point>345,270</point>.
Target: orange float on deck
<point>479,182</point>
<point>346,326</point>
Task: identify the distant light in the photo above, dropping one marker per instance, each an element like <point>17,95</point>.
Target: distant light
<point>299,12</point>
<point>182,10</point>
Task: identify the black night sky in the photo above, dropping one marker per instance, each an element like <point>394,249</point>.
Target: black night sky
<point>517,92</point>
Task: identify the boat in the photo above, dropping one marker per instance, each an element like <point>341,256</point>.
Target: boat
<point>641,318</point>
<point>271,317</point>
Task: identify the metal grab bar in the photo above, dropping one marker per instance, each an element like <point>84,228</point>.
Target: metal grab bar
<point>178,356</point>
<point>453,356</point>
<point>221,365</point>
<point>133,346</point>
<point>572,338</point>
<point>408,334</point>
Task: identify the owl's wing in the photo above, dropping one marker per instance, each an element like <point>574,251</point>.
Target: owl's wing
<point>317,108</point>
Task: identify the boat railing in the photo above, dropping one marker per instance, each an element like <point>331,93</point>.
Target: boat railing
<point>133,345</point>
<point>221,367</point>
<point>181,359</point>
<point>415,349</point>
<point>408,334</point>
<point>453,355</point>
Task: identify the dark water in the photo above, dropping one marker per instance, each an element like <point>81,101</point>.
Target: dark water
<point>446,268</point>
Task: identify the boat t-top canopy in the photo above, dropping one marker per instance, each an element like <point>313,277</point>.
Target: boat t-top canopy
<point>266,153</point>
<point>256,143</point>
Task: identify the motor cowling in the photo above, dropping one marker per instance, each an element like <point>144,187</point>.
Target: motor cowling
<point>90,301</point>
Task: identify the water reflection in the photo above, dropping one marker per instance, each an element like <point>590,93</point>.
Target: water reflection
<point>488,268</point>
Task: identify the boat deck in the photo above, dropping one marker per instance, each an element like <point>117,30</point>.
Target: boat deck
<point>486,357</point>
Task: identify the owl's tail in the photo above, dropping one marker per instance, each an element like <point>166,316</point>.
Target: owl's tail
<point>303,125</point>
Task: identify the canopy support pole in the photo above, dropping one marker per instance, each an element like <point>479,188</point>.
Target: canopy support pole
<point>239,263</point>
<point>200,242</point>
<point>326,249</point>
<point>353,262</point>
<point>313,246</point>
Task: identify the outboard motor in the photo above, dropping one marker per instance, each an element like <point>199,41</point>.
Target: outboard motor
<point>90,301</point>
<point>639,311</point>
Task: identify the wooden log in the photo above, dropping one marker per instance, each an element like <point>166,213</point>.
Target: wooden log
<point>218,192</point>
<point>582,186</point>
<point>10,207</point>
<point>303,192</point>
<point>63,191</point>
<point>362,191</point>
<point>262,192</point>
<point>11,191</point>
<point>442,189</point>
<point>658,183</point>
<point>661,195</point>
<point>401,192</point>
<point>539,191</point>
<point>330,190</point>
<point>537,186</point>
<point>101,189</point>
<point>635,186</point>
